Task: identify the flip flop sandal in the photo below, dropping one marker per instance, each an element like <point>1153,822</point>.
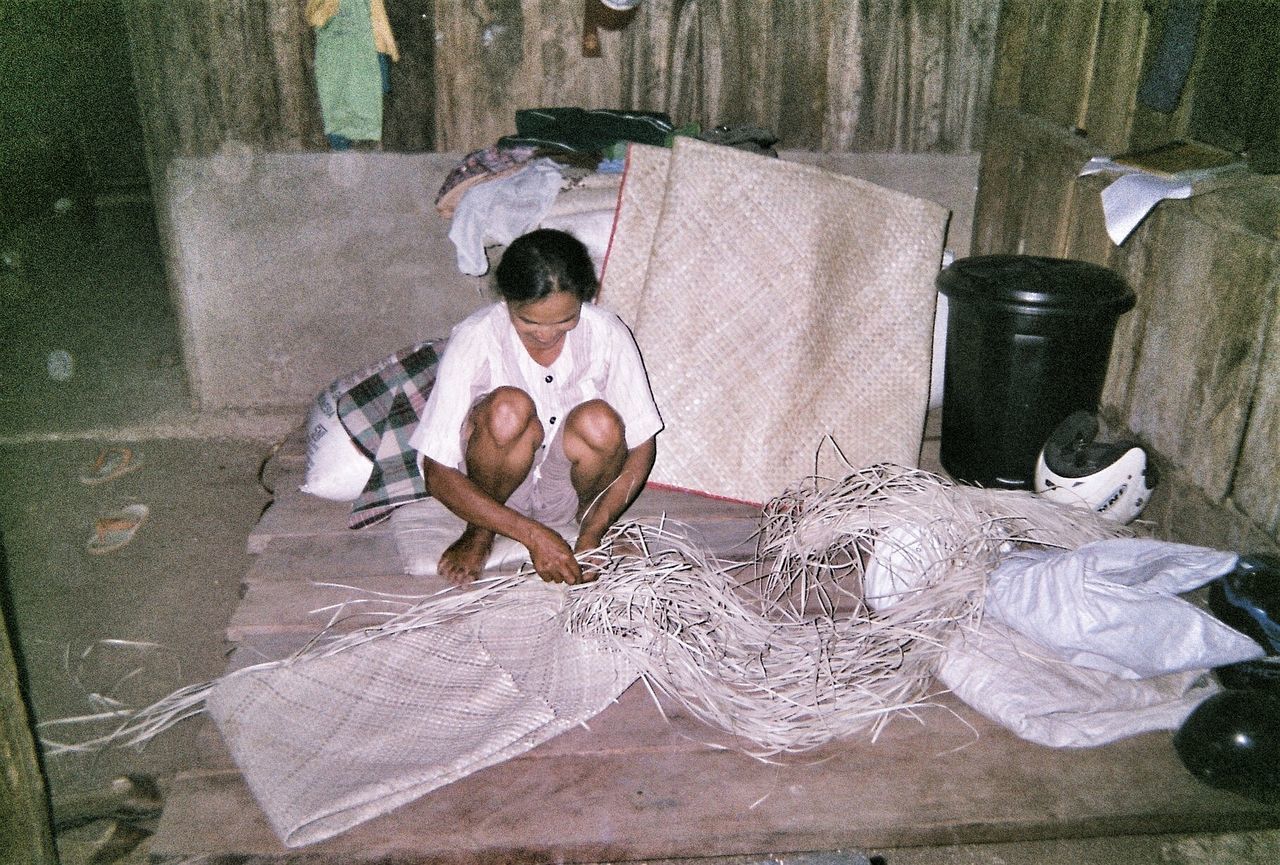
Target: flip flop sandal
<point>113,531</point>
<point>110,464</point>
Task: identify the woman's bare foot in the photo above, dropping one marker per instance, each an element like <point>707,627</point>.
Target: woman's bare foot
<point>466,557</point>
<point>595,557</point>
<point>621,545</point>
<point>586,542</point>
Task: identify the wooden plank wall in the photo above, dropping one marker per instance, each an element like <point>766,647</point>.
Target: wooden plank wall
<point>209,73</point>
<point>877,75</point>
<point>1193,370</point>
<point>26,825</point>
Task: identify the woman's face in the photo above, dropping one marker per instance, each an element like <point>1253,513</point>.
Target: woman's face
<point>542,324</point>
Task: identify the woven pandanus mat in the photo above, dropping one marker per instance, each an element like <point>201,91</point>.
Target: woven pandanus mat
<point>337,738</point>
<point>780,304</point>
<point>639,206</point>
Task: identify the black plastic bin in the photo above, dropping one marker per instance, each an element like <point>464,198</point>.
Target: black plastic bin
<point>1028,343</point>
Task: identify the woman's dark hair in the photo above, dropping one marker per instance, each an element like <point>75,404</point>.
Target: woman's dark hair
<point>543,262</point>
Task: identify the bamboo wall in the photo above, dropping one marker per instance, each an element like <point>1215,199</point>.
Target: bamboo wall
<point>832,75</point>
<point>1195,367</point>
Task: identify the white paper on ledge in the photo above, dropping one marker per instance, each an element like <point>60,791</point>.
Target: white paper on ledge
<point>1130,197</point>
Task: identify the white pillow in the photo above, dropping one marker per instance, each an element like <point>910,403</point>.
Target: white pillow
<point>424,530</point>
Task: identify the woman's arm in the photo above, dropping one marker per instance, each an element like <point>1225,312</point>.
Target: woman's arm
<point>551,555</point>
<point>618,496</point>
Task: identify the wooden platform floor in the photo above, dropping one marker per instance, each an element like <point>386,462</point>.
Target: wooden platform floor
<point>641,784</point>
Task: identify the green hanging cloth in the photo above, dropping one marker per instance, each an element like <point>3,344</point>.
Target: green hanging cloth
<point>348,73</point>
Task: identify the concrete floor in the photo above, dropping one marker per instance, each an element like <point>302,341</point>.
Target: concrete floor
<point>135,624</point>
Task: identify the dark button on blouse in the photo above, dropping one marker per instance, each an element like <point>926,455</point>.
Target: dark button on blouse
<point>548,379</point>
<point>553,420</point>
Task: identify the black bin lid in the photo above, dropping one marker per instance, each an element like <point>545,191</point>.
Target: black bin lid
<point>1035,284</point>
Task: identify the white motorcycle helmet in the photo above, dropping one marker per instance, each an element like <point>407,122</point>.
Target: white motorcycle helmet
<point>1113,478</point>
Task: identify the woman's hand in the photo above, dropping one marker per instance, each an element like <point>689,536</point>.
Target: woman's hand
<point>552,557</point>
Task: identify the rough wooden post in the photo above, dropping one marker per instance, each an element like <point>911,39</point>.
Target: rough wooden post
<point>26,826</point>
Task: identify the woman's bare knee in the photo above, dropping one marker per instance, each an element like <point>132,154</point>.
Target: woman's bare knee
<point>596,425</point>
<point>505,415</point>
<point>502,435</point>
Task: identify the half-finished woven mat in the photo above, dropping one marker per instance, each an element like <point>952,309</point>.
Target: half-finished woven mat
<point>340,739</point>
<point>781,303</point>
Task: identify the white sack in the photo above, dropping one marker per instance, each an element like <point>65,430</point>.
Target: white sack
<point>592,227</point>
<point>336,468</point>
<point>1020,686</point>
<point>1112,606</point>
<point>586,211</point>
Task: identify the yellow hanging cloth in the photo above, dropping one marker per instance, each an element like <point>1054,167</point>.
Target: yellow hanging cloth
<point>320,11</point>
<point>383,38</point>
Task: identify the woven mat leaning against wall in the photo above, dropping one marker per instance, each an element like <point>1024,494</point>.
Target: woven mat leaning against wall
<point>775,304</point>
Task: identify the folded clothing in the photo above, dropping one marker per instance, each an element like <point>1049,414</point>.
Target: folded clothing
<point>380,414</point>
<point>499,211</point>
<point>478,166</point>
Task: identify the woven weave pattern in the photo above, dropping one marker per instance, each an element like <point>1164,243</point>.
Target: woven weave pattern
<point>780,303</point>
<point>639,207</point>
<point>328,743</point>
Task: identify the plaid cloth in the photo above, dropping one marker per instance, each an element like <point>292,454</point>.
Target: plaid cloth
<point>380,413</point>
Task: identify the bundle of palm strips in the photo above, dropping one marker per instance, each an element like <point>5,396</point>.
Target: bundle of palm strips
<point>792,650</point>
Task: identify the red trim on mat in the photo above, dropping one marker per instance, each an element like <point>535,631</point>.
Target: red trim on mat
<point>658,486</point>
<point>613,230</point>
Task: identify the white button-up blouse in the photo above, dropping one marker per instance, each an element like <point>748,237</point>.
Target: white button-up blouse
<point>599,360</point>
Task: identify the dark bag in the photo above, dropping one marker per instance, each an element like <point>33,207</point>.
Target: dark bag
<point>751,138</point>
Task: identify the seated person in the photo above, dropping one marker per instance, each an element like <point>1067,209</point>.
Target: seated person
<point>541,413</point>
